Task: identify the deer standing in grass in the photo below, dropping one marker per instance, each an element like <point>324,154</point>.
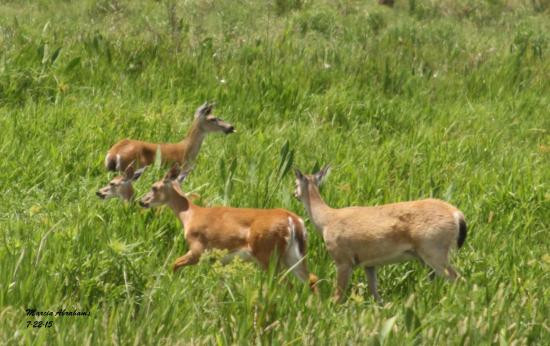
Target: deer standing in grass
<point>256,234</point>
<point>373,236</point>
<point>185,152</point>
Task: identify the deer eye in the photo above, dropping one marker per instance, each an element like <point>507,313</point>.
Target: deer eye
<point>154,189</point>
<point>111,184</point>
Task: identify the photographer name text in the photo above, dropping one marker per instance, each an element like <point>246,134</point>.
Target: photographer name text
<point>58,313</point>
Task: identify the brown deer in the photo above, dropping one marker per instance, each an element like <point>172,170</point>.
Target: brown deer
<point>185,152</point>
<point>249,233</point>
<point>373,236</point>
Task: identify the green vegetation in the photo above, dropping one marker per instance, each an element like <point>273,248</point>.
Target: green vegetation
<point>449,99</point>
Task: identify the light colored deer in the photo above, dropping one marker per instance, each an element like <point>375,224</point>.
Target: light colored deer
<point>378,235</point>
<point>121,186</point>
<point>185,152</point>
<point>256,234</point>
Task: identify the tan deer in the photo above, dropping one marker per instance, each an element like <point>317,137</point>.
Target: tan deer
<point>185,152</point>
<point>121,186</point>
<point>373,236</point>
<point>249,233</point>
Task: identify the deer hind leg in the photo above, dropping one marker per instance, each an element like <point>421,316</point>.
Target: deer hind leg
<point>437,259</point>
<point>431,273</point>
<point>299,269</point>
<point>267,258</point>
<point>452,272</point>
<point>295,258</point>
<point>371,280</point>
<point>343,273</point>
<point>296,262</point>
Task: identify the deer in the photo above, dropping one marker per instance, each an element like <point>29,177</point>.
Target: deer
<point>184,152</point>
<point>377,235</point>
<point>251,234</point>
<point>121,185</point>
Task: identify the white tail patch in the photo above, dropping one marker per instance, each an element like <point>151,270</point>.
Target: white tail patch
<point>118,162</point>
<point>458,216</point>
<point>304,230</point>
<point>107,157</point>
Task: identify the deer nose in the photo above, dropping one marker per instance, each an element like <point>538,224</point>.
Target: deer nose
<point>142,204</point>
<point>99,194</point>
<point>231,129</point>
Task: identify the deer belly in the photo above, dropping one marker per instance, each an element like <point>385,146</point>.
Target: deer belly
<point>216,236</point>
<point>394,257</point>
<point>380,255</point>
<point>227,243</point>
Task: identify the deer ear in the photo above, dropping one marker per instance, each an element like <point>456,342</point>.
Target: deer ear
<point>173,173</point>
<point>320,176</point>
<point>204,110</point>
<point>298,174</point>
<point>210,107</point>
<point>138,173</point>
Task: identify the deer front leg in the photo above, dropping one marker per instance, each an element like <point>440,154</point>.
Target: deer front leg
<point>191,257</point>
<point>371,280</point>
<point>343,272</point>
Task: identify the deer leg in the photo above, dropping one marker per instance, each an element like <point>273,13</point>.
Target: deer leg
<point>343,272</point>
<point>452,272</point>
<point>431,273</point>
<point>295,261</point>
<point>371,280</point>
<point>304,275</point>
<point>299,268</point>
<point>191,257</point>
<point>437,260</point>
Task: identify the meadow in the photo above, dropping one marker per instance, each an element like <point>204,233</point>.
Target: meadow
<point>447,99</point>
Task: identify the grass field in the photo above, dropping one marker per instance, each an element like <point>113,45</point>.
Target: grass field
<point>449,99</point>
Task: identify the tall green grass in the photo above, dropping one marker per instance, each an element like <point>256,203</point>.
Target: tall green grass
<point>444,99</point>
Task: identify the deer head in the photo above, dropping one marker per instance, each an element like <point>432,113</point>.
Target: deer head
<point>304,181</point>
<point>121,186</point>
<point>211,123</point>
<point>167,189</point>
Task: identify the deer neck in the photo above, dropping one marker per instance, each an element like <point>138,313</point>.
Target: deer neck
<point>318,210</point>
<point>191,144</point>
<point>182,207</point>
<point>128,195</point>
